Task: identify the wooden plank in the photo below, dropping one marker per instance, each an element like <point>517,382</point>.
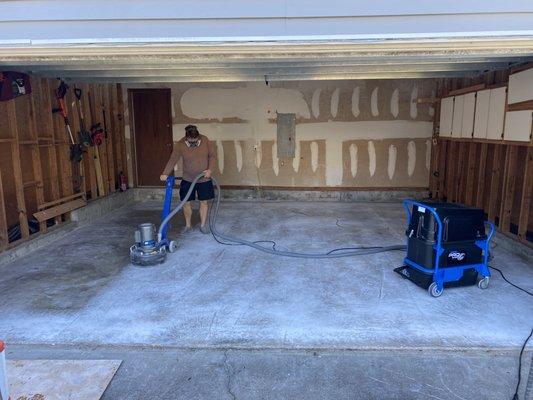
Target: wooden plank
<point>107,112</point>
<point>98,170</point>
<point>495,188</point>
<point>460,181</point>
<point>93,107</point>
<point>524,105</point>
<point>62,149</point>
<point>433,174</point>
<point>471,173</point>
<point>468,89</point>
<point>118,134</point>
<point>508,187</point>
<point>89,170</point>
<point>4,239</point>
<point>480,191</point>
<point>444,145</point>
<point>36,159</point>
<point>59,210</point>
<point>62,200</point>
<point>121,129</point>
<point>103,147</point>
<point>451,173</point>
<point>527,193</point>
<point>17,169</point>
<point>48,128</point>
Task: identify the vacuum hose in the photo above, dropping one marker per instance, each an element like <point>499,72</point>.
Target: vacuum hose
<point>213,215</point>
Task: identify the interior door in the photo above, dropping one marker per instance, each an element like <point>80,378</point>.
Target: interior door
<point>152,120</point>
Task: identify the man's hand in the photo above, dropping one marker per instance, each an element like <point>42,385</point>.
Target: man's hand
<point>207,173</point>
<point>163,177</point>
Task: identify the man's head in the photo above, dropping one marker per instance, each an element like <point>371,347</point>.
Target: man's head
<point>192,136</point>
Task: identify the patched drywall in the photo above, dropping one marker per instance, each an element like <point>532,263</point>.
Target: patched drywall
<point>348,133</point>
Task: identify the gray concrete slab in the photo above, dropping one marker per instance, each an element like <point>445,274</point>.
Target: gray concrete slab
<point>82,288</point>
<point>297,374</point>
<point>230,322</point>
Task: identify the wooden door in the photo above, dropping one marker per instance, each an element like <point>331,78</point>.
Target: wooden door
<point>152,120</point>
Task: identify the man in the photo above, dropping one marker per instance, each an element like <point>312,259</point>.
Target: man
<point>198,156</point>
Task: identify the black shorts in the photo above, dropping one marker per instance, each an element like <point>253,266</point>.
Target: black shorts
<point>202,191</point>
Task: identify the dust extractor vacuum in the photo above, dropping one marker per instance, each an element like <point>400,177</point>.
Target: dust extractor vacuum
<point>454,232</point>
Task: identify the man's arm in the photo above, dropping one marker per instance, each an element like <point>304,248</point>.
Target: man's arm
<point>172,161</point>
<point>210,158</point>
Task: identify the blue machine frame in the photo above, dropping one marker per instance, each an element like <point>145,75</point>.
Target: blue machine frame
<point>167,207</point>
<point>448,274</point>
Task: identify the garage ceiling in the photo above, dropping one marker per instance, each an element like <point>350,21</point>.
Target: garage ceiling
<point>243,40</point>
<point>227,62</point>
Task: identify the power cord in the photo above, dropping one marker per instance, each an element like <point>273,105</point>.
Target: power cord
<point>515,396</point>
<point>511,283</point>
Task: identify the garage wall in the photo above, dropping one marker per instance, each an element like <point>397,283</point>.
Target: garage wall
<point>349,134</point>
<point>492,172</point>
<point>35,171</point>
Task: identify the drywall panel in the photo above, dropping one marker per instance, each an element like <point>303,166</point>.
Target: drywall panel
<point>496,113</point>
<point>286,130</point>
<point>481,114</point>
<point>469,108</point>
<point>521,86</point>
<point>334,145</point>
<point>518,125</point>
<point>457,124</point>
<point>446,116</point>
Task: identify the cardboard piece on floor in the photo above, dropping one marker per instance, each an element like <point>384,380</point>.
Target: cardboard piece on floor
<point>60,379</point>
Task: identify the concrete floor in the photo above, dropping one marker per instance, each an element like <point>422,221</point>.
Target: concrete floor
<point>82,291</point>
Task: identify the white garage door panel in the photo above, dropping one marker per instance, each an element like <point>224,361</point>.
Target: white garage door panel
<point>482,114</point>
<point>469,107</point>
<point>457,125</point>
<point>496,113</point>
<point>446,116</point>
<point>521,86</point>
<point>518,125</point>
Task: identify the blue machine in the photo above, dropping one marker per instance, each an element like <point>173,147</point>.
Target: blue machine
<point>459,270</point>
<point>151,247</point>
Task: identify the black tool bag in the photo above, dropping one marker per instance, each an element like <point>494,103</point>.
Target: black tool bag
<point>13,84</point>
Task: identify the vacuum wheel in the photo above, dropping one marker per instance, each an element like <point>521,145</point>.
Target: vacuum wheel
<point>434,291</point>
<point>483,283</point>
<point>172,246</point>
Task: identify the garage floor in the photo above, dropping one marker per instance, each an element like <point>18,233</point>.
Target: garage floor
<point>82,292</point>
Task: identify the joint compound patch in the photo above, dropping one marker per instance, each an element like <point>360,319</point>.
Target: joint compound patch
<point>395,103</point>
<point>411,157</point>
<point>220,156</point>
<point>238,154</point>
<point>371,158</point>
<point>314,156</point>
<point>393,155</point>
<point>353,159</point>
<point>355,102</point>
<point>315,103</point>
<point>334,107</point>
<point>374,102</point>
<point>413,104</point>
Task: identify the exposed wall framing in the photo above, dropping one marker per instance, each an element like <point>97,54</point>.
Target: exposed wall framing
<point>495,175</point>
<point>39,185</point>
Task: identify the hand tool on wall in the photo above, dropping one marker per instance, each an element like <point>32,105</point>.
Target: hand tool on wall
<point>76,150</point>
<point>97,136</point>
<point>83,134</point>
